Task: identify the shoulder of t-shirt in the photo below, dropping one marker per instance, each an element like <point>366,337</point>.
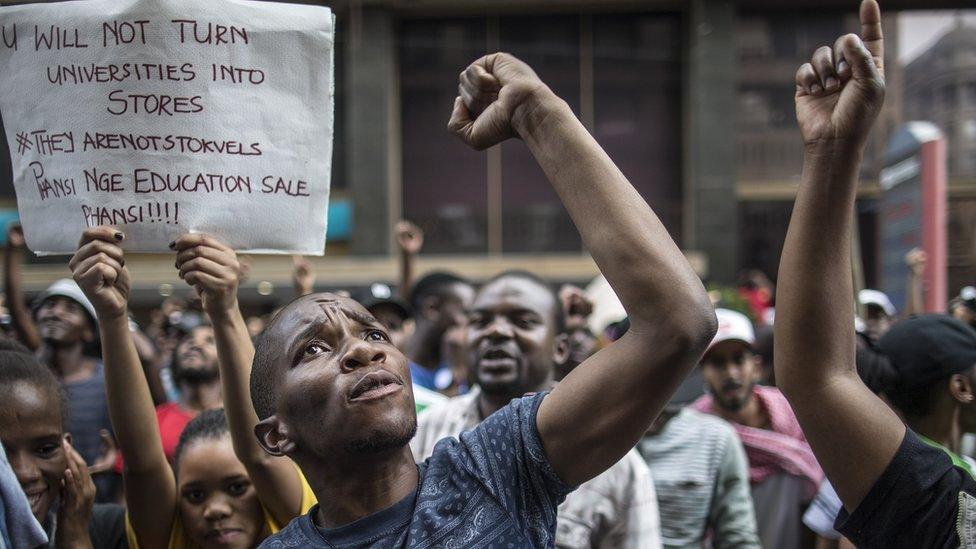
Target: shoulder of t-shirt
<point>918,472</point>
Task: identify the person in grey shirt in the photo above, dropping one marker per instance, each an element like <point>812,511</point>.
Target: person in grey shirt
<point>513,345</point>
<point>701,477</point>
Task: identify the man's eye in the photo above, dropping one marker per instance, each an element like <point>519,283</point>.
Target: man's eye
<point>478,321</point>
<point>314,348</point>
<point>376,335</point>
<point>524,322</point>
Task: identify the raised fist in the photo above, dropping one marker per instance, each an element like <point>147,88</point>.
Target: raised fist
<point>99,269</point>
<point>302,277</point>
<point>211,268</point>
<point>915,260</point>
<point>409,237</point>
<point>840,91</point>
<point>496,96</point>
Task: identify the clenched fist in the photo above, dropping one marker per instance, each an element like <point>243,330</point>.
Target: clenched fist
<point>497,95</point>
<point>99,269</point>
<point>840,91</point>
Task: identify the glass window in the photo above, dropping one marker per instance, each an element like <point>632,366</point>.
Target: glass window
<point>533,218</point>
<point>444,181</point>
<point>637,105</point>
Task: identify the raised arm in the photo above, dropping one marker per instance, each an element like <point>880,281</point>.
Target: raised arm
<point>671,317</point>
<point>915,262</point>
<point>852,432</point>
<point>20,313</point>
<point>410,239</point>
<point>150,489</point>
<point>212,268</point>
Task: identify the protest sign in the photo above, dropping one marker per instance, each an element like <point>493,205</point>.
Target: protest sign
<point>164,117</point>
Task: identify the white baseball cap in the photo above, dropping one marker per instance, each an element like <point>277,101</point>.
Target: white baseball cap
<point>875,297</point>
<point>69,288</point>
<point>733,325</point>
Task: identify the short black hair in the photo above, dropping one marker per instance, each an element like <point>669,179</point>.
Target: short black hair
<point>433,284</point>
<point>208,425</point>
<point>19,365</point>
<point>559,316</point>
<point>262,383</point>
<point>917,402</point>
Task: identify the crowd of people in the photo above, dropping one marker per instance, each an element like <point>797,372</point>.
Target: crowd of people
<point>445,413</point>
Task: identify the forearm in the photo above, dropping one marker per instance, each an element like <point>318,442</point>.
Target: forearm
<point>916,301</point>
<point>129,401</point>
<point>632,248</point>
<point>407,261</point>
<point>814,341</point>
<point>150,488</point>
<point>235,352</point>
<point>815,297</point>
<point>275,478</point>
<point>19,311</point>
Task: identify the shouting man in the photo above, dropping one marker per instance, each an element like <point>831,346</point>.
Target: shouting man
<point>333,393</point>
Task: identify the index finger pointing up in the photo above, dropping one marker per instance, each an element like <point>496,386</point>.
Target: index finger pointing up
<point>871,33</point>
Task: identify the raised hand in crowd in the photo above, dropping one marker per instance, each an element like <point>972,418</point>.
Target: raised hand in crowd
<point>631,380</point>
<point>302,277</point>
<point>150,488</point>
<point>212,268</point>
<point>20,313</point>
<point>854,435</point>
<point>915,260</point>
<point>409,239</point>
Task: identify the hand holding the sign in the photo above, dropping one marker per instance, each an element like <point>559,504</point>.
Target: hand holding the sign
<point>840,91</point>
<point>211,268</point>
<point>499,97</point>
<point>99,269</point>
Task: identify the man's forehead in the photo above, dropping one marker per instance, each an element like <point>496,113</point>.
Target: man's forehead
<point>312,307</point>
<point>526,293</point>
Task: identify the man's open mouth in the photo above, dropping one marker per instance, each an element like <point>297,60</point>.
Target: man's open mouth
<point>497,360</point>
<point>376,384</point>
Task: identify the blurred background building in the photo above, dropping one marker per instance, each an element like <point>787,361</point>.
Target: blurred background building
<point>693,100</point>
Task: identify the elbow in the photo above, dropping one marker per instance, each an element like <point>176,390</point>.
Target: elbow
<point>689,322</point>
<point>699,327</point>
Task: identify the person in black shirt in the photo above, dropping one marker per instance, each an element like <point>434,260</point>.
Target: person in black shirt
<point>897,490</point>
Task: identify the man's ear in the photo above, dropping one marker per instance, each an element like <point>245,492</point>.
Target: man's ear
<point>962,390</point>
<point>273,437</point>
<point>560,349</point>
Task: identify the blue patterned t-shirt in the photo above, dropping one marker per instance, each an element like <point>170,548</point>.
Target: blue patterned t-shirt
<point>493,487</point>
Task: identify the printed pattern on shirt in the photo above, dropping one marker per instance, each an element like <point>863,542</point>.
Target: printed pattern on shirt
<point>492,488</point>
<point>618,508</point>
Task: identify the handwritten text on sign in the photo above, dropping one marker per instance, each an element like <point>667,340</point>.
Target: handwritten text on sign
<point>164,117</point>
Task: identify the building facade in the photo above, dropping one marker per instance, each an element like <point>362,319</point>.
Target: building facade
<point>693,100</point>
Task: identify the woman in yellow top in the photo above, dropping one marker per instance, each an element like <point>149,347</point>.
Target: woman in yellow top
<point>224,490</point>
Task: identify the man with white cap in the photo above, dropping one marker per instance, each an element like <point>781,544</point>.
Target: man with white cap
<point>879,312</point>
<point>65,321</point>
<point>783,472</point>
